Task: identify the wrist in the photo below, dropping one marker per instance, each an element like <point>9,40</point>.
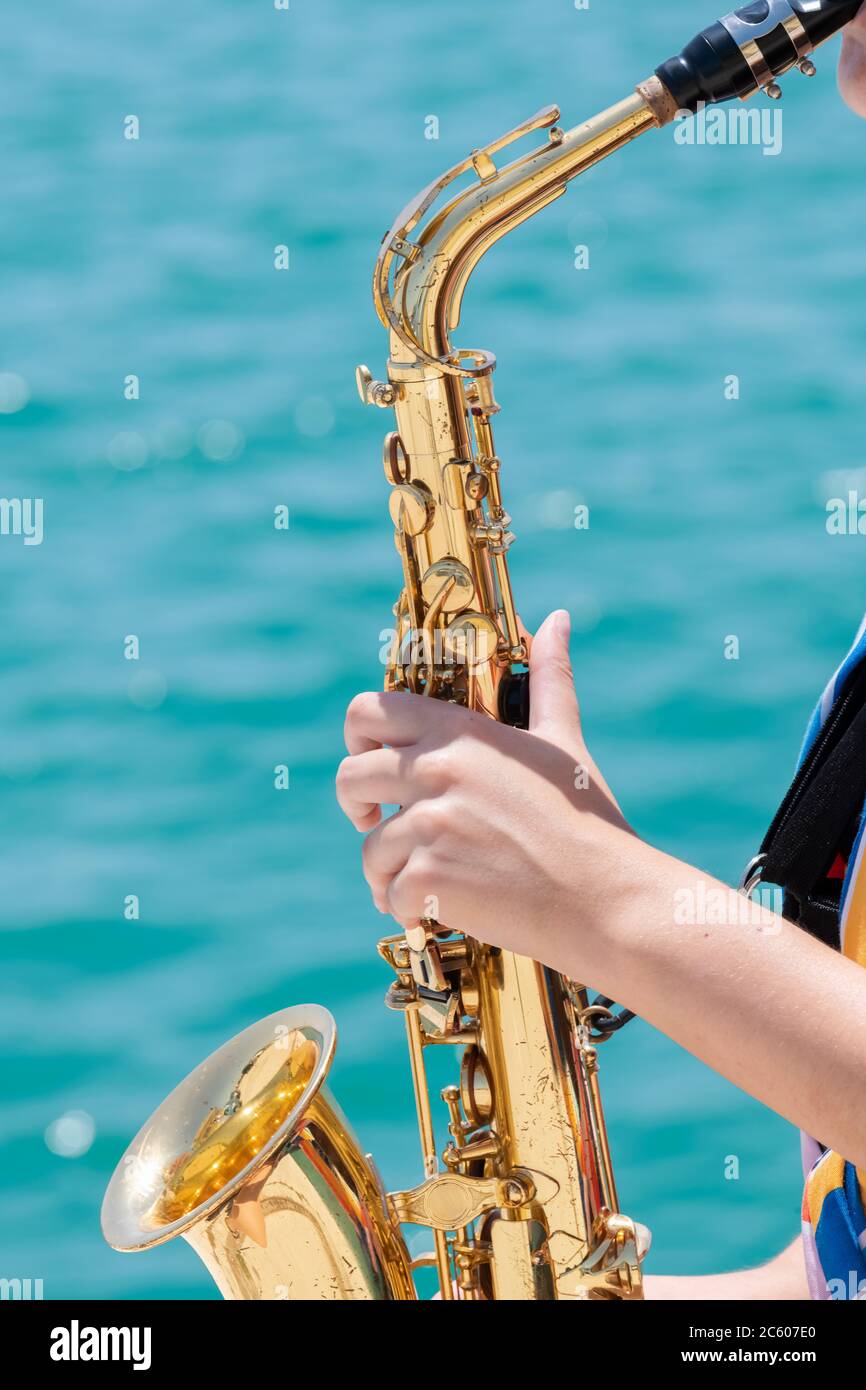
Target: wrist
<point>644,942</point>
<point>606,932</point>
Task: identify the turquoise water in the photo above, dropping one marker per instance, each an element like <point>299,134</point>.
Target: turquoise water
<point>155,778</point>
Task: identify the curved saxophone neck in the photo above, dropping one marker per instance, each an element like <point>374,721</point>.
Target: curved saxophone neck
<point>431,269</point>
<point>737,56</point>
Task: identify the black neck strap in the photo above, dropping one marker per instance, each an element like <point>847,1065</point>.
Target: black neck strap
<point>819,815</point>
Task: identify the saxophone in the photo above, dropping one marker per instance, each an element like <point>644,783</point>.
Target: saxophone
<point>250,1158</point>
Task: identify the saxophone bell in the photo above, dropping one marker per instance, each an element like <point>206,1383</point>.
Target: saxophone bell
<point>252,1162</point>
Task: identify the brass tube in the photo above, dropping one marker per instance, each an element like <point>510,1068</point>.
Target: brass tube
<point>430,287</point>
<point>428,1140</point>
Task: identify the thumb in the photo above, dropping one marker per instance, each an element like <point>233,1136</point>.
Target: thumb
<point>552,698</point>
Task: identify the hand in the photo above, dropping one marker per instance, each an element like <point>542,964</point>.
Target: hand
<point>498,837</point>
<point>511,836</point>
<point>852,64</point>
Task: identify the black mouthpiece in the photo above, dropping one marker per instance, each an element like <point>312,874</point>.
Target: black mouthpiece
<point>748,49</point>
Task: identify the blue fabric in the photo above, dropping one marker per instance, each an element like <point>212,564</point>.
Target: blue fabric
<point>837,1238</point>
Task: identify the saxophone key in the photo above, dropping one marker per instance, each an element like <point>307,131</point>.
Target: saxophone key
<point>395,459</point>
<point>380,393</point>
<point>449,585</point>
<point>411,508</point>
<point>471,641</point>
<point>424,958</point>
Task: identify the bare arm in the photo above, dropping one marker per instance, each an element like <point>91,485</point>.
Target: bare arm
<point>775,1011</point>
<point>782,1278</point>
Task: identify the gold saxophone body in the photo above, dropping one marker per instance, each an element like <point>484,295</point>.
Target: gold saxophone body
<point>250,1158</point>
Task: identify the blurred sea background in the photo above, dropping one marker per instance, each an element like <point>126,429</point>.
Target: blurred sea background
<point>155,777</point>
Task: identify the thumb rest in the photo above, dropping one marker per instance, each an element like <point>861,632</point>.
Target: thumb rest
<point>250,1158</point>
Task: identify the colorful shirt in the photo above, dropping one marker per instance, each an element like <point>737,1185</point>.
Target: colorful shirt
<point>834,1224</point>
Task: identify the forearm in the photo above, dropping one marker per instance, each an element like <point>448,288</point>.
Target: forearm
<point>773,1010</point>
<point>783,1278</point>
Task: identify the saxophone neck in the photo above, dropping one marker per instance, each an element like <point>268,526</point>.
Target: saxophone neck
<point>421,275</point>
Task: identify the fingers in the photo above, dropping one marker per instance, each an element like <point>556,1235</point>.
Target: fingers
<point>379,717</point>
<point>366,781</point>
<point>552,697</point>
<point>408,895</point>
<point>403,858</point>
<point>386,852</point>
<point>362,810</point>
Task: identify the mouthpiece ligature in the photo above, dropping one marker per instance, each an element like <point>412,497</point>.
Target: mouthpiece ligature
<point>748,50</point>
